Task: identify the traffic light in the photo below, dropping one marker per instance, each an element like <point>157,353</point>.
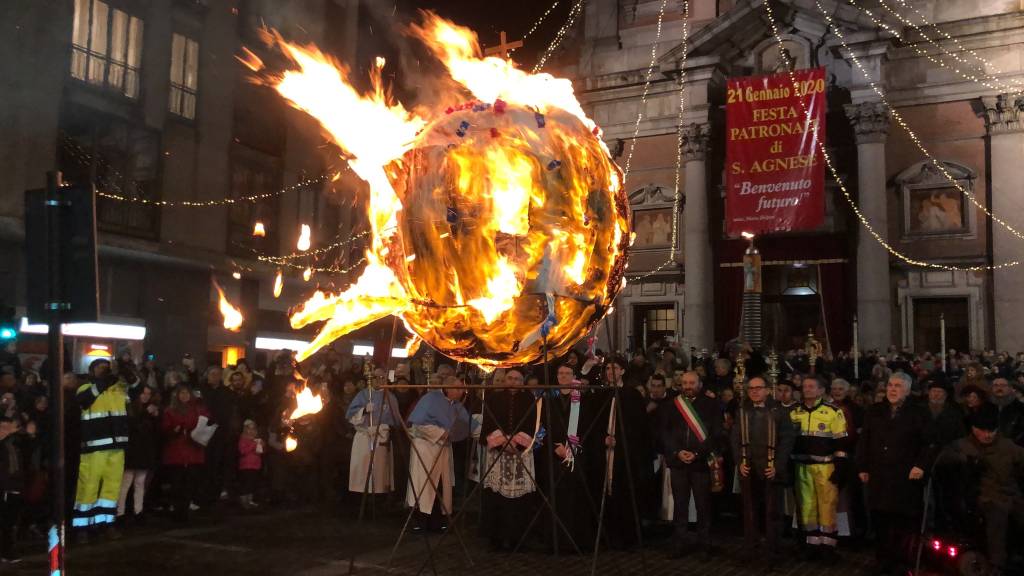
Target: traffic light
<point>8,327</point>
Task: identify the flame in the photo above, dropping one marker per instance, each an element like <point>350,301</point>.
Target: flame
<point>307,274</point>
<point>493,211</point>
<point>308,403</point>
<point>290,443</point>
<point>303,244</point>
<point>278,284</point>
<point>258,230</point>
<point>232,315</point>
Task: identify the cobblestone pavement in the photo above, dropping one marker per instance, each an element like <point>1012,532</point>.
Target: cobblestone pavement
<point>310,542</point>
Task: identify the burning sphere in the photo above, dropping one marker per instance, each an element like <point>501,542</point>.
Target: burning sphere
<point>511,228</point>
<point>498,225</point>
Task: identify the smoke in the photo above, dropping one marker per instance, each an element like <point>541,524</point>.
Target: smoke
<point>420,80</point>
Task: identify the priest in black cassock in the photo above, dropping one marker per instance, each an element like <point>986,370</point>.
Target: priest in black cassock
<point>509,496</point>
<point>631,476</point>
<point>571,426</point>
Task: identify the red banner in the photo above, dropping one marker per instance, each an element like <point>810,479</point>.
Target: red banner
<point>775,170</point>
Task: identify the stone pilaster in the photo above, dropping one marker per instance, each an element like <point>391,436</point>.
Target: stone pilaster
<point>870,121</point>
<point>698,301</point>
<point>1004,121</point>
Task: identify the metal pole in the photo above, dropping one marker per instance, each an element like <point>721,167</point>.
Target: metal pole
<point>55,339</point>
<point>942,337</point>
<point>551,456</point>
<point>856,351</point>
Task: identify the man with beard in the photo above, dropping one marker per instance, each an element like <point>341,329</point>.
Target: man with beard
<point>628,448</point>
<point>947,419</point>
<point>895,449</point>
<point>508,431</point>
<point>1011,411</point>
<point>689,439</point>
<point>762,439</point>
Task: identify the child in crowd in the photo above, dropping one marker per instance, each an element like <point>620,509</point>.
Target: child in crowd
<point>250,462</point>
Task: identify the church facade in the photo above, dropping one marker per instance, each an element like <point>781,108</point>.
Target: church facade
<point>903,77</point>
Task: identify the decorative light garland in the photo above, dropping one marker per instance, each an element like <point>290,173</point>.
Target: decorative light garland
<point>328,248</point>
<point>677,198</point>
<point>643,95</point>
<point>218,202</point>
<point>903,124</point>
<point>835,174</point>
<point>574,13</point>
<point>985,64</point>
<point>536,25</point>
<point>924,53</point>
<point>76,150</point>
<point>332,269</point>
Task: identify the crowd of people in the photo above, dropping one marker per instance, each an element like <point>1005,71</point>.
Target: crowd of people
<point>616,451</point>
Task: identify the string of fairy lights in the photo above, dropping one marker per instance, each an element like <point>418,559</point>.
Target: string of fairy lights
<point>986,64</point>
<point>835,173</point>
<point>877,21</point>
<point>917,141</point>
<point>536,25</point>
<point>643,94</point>
<point>677,191</point>
<point>574,13</point>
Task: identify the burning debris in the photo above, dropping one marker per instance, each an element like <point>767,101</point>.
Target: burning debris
<point>498,218</point>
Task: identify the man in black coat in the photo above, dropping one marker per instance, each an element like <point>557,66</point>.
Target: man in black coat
<point>947,417</point>
<point>1011,411</point>
<point>687,445</point>
<point>896,447</point>
<point>762,438</point>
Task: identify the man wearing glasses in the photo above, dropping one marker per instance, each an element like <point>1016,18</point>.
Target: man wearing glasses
<point>762,439</point>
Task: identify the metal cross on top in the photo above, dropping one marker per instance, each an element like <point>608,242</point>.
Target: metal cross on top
<point>503,47</point>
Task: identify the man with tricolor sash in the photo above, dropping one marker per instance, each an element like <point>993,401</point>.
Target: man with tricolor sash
<point>690,440</point>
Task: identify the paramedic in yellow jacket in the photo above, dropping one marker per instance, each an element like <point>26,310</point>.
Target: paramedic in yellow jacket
<point>104,402</point>
<point>819,459</point>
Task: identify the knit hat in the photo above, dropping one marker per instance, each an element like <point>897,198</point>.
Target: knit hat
<point>986,418</point>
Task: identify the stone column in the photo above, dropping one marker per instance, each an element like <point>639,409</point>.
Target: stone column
<point>1004,120</point>
<point>870,122</point>
<point>698,299</point>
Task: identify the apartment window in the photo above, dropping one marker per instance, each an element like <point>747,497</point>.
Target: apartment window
<point>106,47</point>
<point>184,76</point>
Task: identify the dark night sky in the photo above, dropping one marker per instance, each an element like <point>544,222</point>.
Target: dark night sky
<point>488,17</point>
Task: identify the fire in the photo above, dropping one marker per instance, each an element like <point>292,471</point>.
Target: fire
<point>308,403</point>
<point>232,315</point>
<point>278,284</point>
<point>307,274</point>
<point>290,443</point>
<point>303,244</point>
<point>493,213</point>
<point>258,230</point>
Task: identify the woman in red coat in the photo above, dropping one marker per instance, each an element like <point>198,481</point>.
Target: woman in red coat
<point>182,457</point>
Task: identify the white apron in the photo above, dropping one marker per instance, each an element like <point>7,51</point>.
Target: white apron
<point>430,463</point>
<point>383,480</point>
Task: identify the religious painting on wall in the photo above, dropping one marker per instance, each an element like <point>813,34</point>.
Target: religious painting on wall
<point>653,228</point>
<point>936,211</point>
<point>775,169</point>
